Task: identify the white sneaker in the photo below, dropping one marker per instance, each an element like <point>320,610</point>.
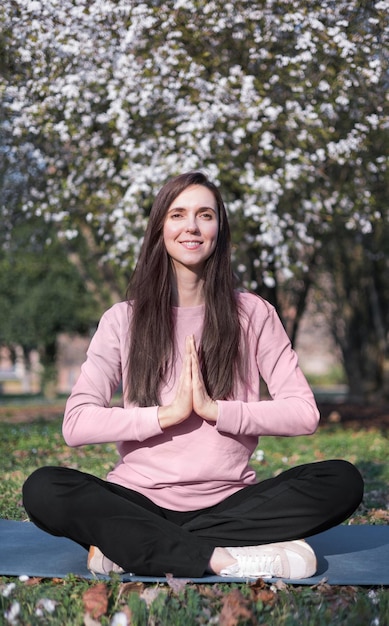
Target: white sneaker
<point>288,559</point>
<point>100,564</point>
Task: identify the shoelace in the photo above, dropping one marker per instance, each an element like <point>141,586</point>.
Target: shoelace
<point>257,561</point>
<point>265,565</point>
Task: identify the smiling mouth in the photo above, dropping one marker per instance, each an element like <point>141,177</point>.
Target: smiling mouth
<point>191,244</point>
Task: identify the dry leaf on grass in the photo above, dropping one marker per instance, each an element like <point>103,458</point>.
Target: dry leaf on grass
<point>95,600</point>
<point>379,514</point>
<point>210,591</point>
<point>131,587</point>
<point>334,591</point>
<point>151,593</point>
<point>322,585</point>
<point>266,596</point>
<point>177,584</point>
<point>261,591</point>
<point>339,599</point>
<point>31,582</point>
<point>279,585</point>
<point>235,608</point>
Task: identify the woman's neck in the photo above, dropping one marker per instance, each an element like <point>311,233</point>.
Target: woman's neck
<point>188,291</point>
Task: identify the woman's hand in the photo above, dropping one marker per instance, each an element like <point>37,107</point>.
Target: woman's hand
<point>191,393</point>
<point>182,405</point>
<point>203,404</point>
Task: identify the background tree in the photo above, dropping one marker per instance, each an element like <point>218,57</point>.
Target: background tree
<point>283,102</point>
<point>41,295</point>
<point>355,298</point>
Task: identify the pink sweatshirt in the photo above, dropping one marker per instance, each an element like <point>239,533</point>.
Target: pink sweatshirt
<point>197,463</point>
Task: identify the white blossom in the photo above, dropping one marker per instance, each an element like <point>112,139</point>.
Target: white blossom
<point>45,605</point>
<point>119,619</point>
<point>8,589</point>
<point>258,455</point>
<point>113,97</point>
<point>12,614</point>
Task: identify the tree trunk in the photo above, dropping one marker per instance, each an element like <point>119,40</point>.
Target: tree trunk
<point>49,377</point>
<point>357,317</point>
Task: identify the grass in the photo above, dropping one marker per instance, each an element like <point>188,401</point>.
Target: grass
<point>72,601</point>
<point>334,376</point>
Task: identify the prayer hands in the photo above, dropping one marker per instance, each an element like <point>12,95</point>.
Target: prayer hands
<point>191,393</point>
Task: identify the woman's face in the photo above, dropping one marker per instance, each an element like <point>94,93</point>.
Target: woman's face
<point>191,228</point>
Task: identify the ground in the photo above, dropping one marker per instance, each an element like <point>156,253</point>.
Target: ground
<point>356,415</point>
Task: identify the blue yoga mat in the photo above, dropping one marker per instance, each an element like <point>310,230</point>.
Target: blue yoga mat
<point>347,555</point>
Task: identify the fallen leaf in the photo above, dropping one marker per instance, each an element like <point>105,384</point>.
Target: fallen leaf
<point>279,585</point>
<point>149,594</point>
<point>261,591</point>
<point>33,581</point>
<point>259,584</point>
<point>210,591</point>
<point>234,609</point>
<point>266,596</point>
<point>177,584</point>
<point>322,585</point>
<point>95,600</point>
<point>131,587</point>
<point>380,514</point>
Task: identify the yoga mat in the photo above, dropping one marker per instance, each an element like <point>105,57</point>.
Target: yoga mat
<point>347,555</point>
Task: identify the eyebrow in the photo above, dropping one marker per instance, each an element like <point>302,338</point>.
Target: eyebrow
<point>202,208</point>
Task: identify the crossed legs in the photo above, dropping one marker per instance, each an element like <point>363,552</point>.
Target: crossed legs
<point>147,539</point>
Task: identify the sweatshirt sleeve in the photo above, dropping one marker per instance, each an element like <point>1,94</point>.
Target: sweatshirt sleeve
<point>292,409</point>
<point>88,418</point>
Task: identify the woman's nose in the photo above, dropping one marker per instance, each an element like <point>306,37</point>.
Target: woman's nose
<point>192,226</point>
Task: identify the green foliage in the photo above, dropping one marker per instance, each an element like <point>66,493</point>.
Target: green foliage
<point>138,610</point>
<point>41,293</point>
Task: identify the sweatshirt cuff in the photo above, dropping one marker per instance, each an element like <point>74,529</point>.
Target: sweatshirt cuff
<point>229,417</point>
<point>147,423</point>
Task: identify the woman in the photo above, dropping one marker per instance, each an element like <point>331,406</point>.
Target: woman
<point>190,352</point>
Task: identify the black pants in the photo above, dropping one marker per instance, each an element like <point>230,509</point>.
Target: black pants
<point>149,540</point>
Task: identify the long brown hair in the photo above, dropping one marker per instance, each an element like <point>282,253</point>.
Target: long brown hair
<point>149,293</point>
